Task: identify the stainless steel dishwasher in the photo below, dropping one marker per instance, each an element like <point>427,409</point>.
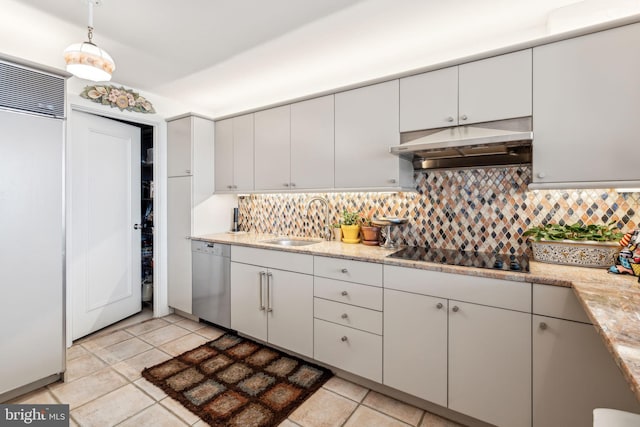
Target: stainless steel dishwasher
<point>211,293</point>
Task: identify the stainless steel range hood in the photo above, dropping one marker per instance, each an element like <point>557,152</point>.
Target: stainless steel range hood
<point>507,142</point>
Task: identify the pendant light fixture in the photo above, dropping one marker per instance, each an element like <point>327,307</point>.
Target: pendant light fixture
<point>86,60</point>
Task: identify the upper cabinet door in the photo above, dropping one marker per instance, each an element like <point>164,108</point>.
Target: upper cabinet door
<point>367,123</point>
<point>496,88</point>
<point>224,155</point>
<point>179,147</point>
<point>243,153</point>
<point>429,100</point>
<point>312,143</point>
<point>272,148</point>
<point>586,105</point>
<point>203,159</point>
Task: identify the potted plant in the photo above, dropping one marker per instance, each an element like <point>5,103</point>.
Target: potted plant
<point>593,245</point>
<point>350,226</point>
<point>337,232</point>
<point>370,232</point>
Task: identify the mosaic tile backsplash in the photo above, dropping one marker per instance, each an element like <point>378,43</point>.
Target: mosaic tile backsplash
<point>477,209</point>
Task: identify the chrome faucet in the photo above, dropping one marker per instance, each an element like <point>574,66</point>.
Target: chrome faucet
<point>327,228</point>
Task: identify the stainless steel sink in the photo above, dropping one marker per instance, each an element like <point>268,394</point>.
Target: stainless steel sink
<point>287,241</point>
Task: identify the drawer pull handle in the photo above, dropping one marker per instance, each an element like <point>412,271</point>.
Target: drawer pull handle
<point>344,270</point>
<point>344,293</point>
<point>455,308</point>
<point>543,326</point>
<point>344,315</point>
<point>344,339</point>
<point>439,305</point>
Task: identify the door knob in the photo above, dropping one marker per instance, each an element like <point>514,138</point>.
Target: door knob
<point>344,270</point>
<point>439,305</point>
<point>449,119</point>
<point>344,293</point>
<point>463,117</point>
<point>543,326</point>
<point>344,315</point>
<point>344,339</point>
<point>137,226</point>
<point>455,308</point>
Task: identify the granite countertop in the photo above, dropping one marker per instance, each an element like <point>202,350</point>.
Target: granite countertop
<point>612,302</point>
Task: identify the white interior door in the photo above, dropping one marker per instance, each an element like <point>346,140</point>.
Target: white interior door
<point>104,162</point>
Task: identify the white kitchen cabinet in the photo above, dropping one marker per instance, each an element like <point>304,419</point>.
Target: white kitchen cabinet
<point>312,143</point>
<point>586,100</point>
<point>490,363</point>
<point>481,345</point>
<point>366,125</point>
<point>273,148</point>
<point>234,154</point>
<point>350,349</point>
<point>490,89</point>
<point>192,139</point>
<point>573,372</point>
<point>179,243</point>
<point>271,304</point>
<point>415,345</point>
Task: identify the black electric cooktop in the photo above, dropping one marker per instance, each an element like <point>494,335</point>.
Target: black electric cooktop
<point>515,263</point>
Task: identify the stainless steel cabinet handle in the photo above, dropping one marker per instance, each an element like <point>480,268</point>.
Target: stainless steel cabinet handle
<point>234,186</point>
<point>261,285</point>
<point>344,339</point>
<point>439,305</point>
<point>286,184</point>
<point>137,226</point>
<point>543,326</point>
<point>229,187</point>
<point>293,184</point>
<point>187,237</point>
<point>464,117</point>
<point>344,293</point>
<point>188,171</point>
<point>344,270</point>
<point>541,174</point>
<point>344,315</point>
<point>455,308</point>
<point>269,302</point>
<point>392,181</point>
<point>449,119</point>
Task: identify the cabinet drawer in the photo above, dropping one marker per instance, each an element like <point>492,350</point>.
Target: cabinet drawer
<point>348,349</point>
<point>480,290</point>
<point>348,293</point>
<point>352,271</point>
<point>299,263</point>
<point>557,301</point>
<point>348,315</point>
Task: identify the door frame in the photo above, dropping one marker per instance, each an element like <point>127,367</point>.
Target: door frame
<point>160,301</point>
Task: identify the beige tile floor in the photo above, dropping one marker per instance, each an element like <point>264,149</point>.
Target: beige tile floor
<point>104,388</point>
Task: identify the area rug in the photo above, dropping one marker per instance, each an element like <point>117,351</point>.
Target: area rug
<point>234,381</point>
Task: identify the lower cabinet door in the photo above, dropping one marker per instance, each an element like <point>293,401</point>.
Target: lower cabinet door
<point>573,373</point>
<point>490,364</point>
<point>415,345</point>
<point>290,311</point>
<point>348,349</point>
<point>248,301</point>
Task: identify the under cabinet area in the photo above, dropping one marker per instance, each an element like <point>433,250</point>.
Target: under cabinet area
<point>490,89</point>
<point>272,297</point>
<point>472,350</point>
<point>573,373</point>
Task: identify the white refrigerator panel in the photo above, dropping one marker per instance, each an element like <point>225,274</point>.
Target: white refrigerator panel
<point>31,249</point>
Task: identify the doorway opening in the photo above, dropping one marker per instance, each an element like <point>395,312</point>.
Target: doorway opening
<point>146,209</point>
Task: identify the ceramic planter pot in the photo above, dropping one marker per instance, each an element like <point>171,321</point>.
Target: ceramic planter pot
<point>350,233</point>
<point>577,253</point>
<point>370,235</point>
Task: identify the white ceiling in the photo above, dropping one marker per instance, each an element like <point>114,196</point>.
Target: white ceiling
<point>226,56</point>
